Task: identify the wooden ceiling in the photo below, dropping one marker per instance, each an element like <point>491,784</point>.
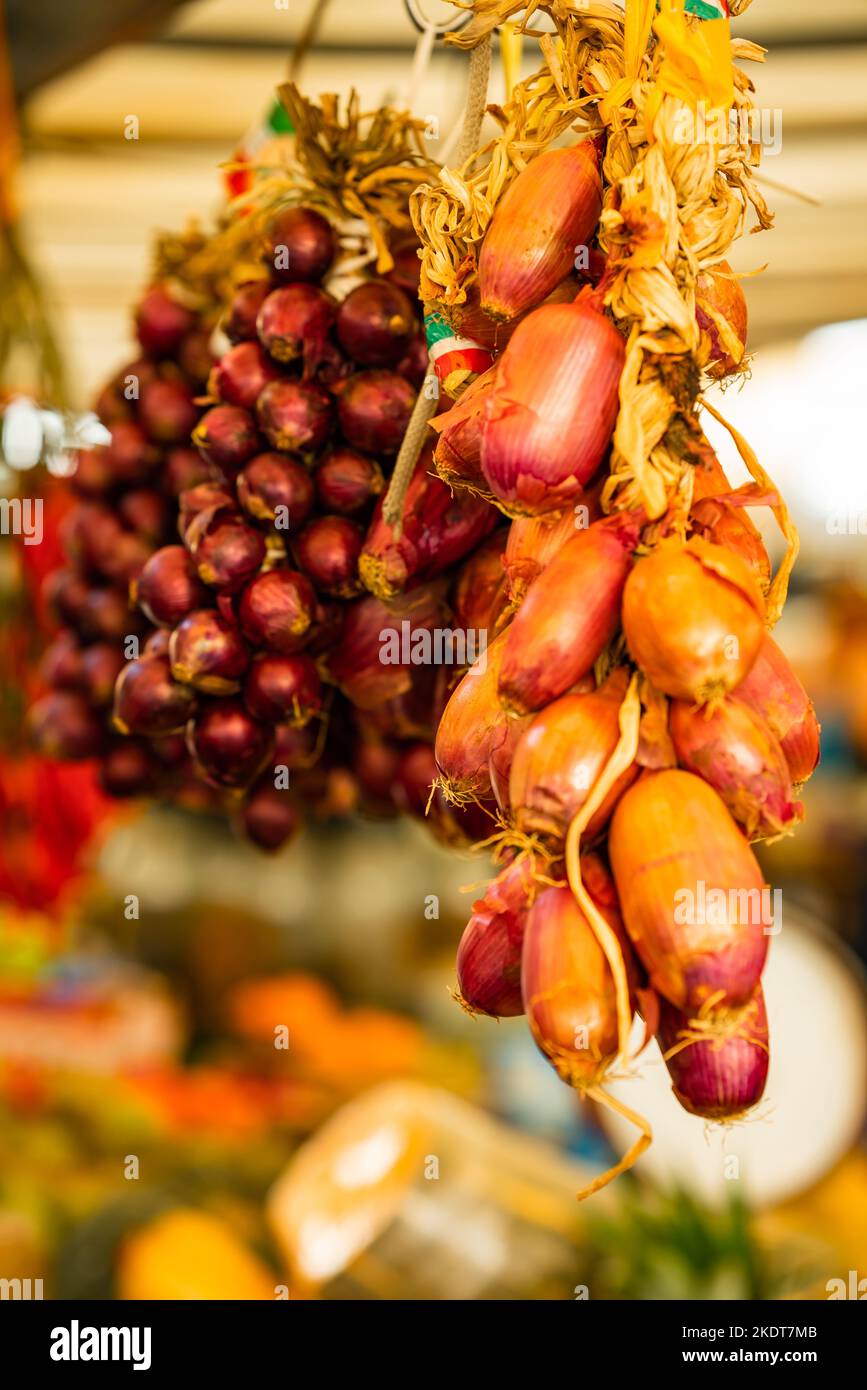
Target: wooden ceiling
<point>92,197</point>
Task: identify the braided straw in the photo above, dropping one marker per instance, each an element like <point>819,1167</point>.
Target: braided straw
<point>674,202</point>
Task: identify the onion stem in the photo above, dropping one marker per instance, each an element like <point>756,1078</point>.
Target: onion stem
<point>644,1140</point>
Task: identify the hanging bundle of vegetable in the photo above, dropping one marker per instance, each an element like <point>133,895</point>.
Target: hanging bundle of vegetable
<point>218,647</point>
<point>633,701</point>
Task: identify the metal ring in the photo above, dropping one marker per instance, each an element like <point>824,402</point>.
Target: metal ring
<point>414,10</point>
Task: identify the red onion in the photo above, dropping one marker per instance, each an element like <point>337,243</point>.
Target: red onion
<point>437,529</point>
<point>553,406</point>
<point>545,214</point>
<point>327,550</point>
<point>105,614</point>
<point>478,593</point>
<point>694,619</point>
<point>773,690</point>
<point>227,551</point>
<point>691,890</point>
<point>374,324</point>
<point>161,322</point>
<point>241,374</point>
<point>60,666</point>
<point>346,481</point>
<point>472,727</point>
<point>184,469</point>
<point>167,411</point>
<point>131,455</point>
<point>283,688</point>
<point>127,769</point>
<point>301,245</point>
<point>276,610</point>
<point>570,612</point>
<point>489,954</point>
<point>406,271</point>
<point>293,324</point>
<point>415,363</point>
<point>168,586</point>
<point>147,700</point>
<point>458,453</point>
<point>269,818</point>
<point>721,314</point>
<point>227,437</point>
<point>66,593</point>
<point>229,746</point>
<point>271,482</point>
<point>208,653</point>
<point>370,630</point>
<point>721,1078</point>
<point>63,725</point>
<point>240,321</point>
<point>373,409</point>
<point>295,415</point>
<point>101,664</point>
<point>560,757</point>
<point>146,512</point>
<point>533,542</point>
<point>93,476</point>
<point>733,749</point>
<point>194,355</point>
<point>204,497</point>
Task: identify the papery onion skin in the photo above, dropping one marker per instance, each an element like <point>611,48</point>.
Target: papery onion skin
<point>560,756</point>
<point>168,586</point>
<point>356,663</point>
<point>283,688</point>
<point>293,324</point>
<point>300,245</point>
<point>458,452</point>
<point>346,481</point>
<point>276,610</point>
<point>568,989</point>
<point>328,551</point>
<point>546,213</point>
<point>734,750</point>
<point>721,1078</point>
<point>472,727</point>
<point>489,955</point>
<point>373,409</point>
<point>230,747</point>
<point>723,524</point>
<point>478,596</point>
<point>269,818</point>
<point>208,652</point>
<point>533,542</point>
<point>241,374</point>
<point>226,436</point>
<point>570,613</point>
<point>148,701</point>
<point>272,480</point>
<point>296,416</point>
<point>693,616</point>
<point>672,843</point>
<point>374,324</point>
<point>721,314</point>
<point>553,407</point>
<point>774,691</point>
<point>437,528</point>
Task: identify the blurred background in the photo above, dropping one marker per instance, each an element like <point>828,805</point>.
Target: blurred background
<point>156,1138</point>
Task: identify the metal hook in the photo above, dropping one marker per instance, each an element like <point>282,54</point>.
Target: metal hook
<point>416,14</point>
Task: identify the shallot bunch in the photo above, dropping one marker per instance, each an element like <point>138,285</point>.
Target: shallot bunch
<point>633,722</point>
